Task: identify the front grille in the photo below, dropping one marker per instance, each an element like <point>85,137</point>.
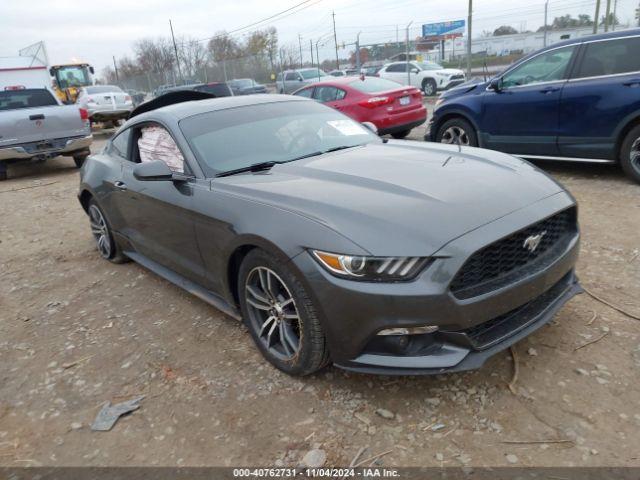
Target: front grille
<point>457,77</point>
<point>497,329</point>
<point>508,260</point>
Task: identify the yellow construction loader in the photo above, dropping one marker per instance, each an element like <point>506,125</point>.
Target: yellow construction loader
<point>69,79</point>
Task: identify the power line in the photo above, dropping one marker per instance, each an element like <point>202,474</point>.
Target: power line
<point>265,19</point>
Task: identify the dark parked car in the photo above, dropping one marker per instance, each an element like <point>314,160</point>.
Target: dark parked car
<point>331,244</point>
<point>217,89</point>
<point>246,86</point>
<point>575,100</point>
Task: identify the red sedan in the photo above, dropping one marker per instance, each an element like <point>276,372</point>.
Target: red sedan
<point>393,108</point>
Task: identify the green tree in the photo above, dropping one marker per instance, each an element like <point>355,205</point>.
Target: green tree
<point>613,20</point>
<point>504,30</point>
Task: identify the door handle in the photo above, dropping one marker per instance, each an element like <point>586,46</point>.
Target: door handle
<point>549,90</point>
<point>120,185</point>
<point>36,117</point>
<point>634,82</point>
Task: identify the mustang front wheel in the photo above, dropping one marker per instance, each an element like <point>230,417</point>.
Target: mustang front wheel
<point>280,316</point>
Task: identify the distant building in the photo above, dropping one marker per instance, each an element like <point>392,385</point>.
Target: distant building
<point>506,44</point>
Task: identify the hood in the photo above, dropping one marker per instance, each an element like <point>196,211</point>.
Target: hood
<point>405,198</point>
<point>472,85</point>
<point>450,71</point>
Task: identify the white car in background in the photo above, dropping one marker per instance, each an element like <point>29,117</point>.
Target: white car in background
<point>427,76</point>
<point>105,103</point>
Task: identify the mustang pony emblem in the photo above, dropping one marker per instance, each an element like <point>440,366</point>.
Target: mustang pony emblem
<point>532,242</point>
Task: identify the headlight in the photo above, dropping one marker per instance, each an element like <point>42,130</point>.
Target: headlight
<point>371,269</point>
<point>440,74</point>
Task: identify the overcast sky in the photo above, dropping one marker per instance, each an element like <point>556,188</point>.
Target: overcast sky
<point>93,32</point>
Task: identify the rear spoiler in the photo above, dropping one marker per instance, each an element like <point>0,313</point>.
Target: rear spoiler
<point>170,98</point>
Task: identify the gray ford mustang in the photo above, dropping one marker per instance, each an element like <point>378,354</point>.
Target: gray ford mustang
<point>331,244</point>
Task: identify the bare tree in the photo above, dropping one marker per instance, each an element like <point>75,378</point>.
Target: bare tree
<point>193,57</point>
<point>155,56</point>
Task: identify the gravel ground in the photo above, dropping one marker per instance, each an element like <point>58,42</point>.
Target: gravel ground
<point>76,331</point>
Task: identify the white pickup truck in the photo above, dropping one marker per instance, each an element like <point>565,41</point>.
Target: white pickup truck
<point>35,126</point>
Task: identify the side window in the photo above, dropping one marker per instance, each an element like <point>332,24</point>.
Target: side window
<point>307,92</point>
<point>290,76</point>
<point>546,67</point>
<point>397,67</point>
<point>155,143</point>
<point>325,94</point>
<point>120,144</point>
<point>340,94</point>
<point>610,57</point>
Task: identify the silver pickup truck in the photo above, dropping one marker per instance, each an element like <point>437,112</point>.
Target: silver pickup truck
<point>34,126</point>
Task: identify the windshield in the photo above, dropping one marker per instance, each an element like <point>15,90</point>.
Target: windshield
<point>309,74</point>
<point>429,66</point>
<point>26,98</point>
<point>73,76</point>
<point>103,89</point>
<point>279,132</point>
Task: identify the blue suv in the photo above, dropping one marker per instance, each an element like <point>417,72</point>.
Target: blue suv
<point>575,100</point>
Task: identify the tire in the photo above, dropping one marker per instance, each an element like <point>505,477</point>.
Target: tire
<point>79,159</point>
<point>460,128</point>
<point>401,135</point>
<point>293,341</point>
<point>429,87</point>
<point>630,154</point>
<point>100,227</point>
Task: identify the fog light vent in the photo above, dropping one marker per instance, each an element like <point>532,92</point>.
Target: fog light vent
<point>409,331</point>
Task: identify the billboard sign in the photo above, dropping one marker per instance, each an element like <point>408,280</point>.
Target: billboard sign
<point>443,28</point>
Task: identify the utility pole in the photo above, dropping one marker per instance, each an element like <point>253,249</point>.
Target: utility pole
<point>607,16</point>
<point>407,54</point>
<point>615,17</point>
<point>175,49</point>
<point>335,40</point>
<point>311,50</point>
<point>469,39</point>
<point>358,51</point>
<point>397,38</point>
<point>546,9</point>
<point>115,67</point>
<point>596,20</point>
<point>318,56</point>
<point>300,45</point>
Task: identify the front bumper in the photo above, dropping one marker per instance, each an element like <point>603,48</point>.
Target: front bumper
<point>63,146</point>
<point>98,114</point>
<point>354,312</point>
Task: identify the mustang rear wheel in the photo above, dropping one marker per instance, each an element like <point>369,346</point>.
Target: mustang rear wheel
<point>107,246</point>
<point>280,315</point>
<point>630,154</point>
<point>457,131</point>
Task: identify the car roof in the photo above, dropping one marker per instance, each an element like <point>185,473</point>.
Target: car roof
<point>187,109</point>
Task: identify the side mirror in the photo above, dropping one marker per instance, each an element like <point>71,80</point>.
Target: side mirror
<point>495,84</point>
<point>299,79</point>
<point>370,126</point>
<point>92,70</point>
<point>152,171</point>
<point>52,72</point>
<point>415,70</point>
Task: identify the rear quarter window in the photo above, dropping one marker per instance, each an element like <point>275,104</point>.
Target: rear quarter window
<point>26,98</point>
<point>610,57</point>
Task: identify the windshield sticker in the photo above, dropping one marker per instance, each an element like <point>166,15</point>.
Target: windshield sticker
<point>347,127</point>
